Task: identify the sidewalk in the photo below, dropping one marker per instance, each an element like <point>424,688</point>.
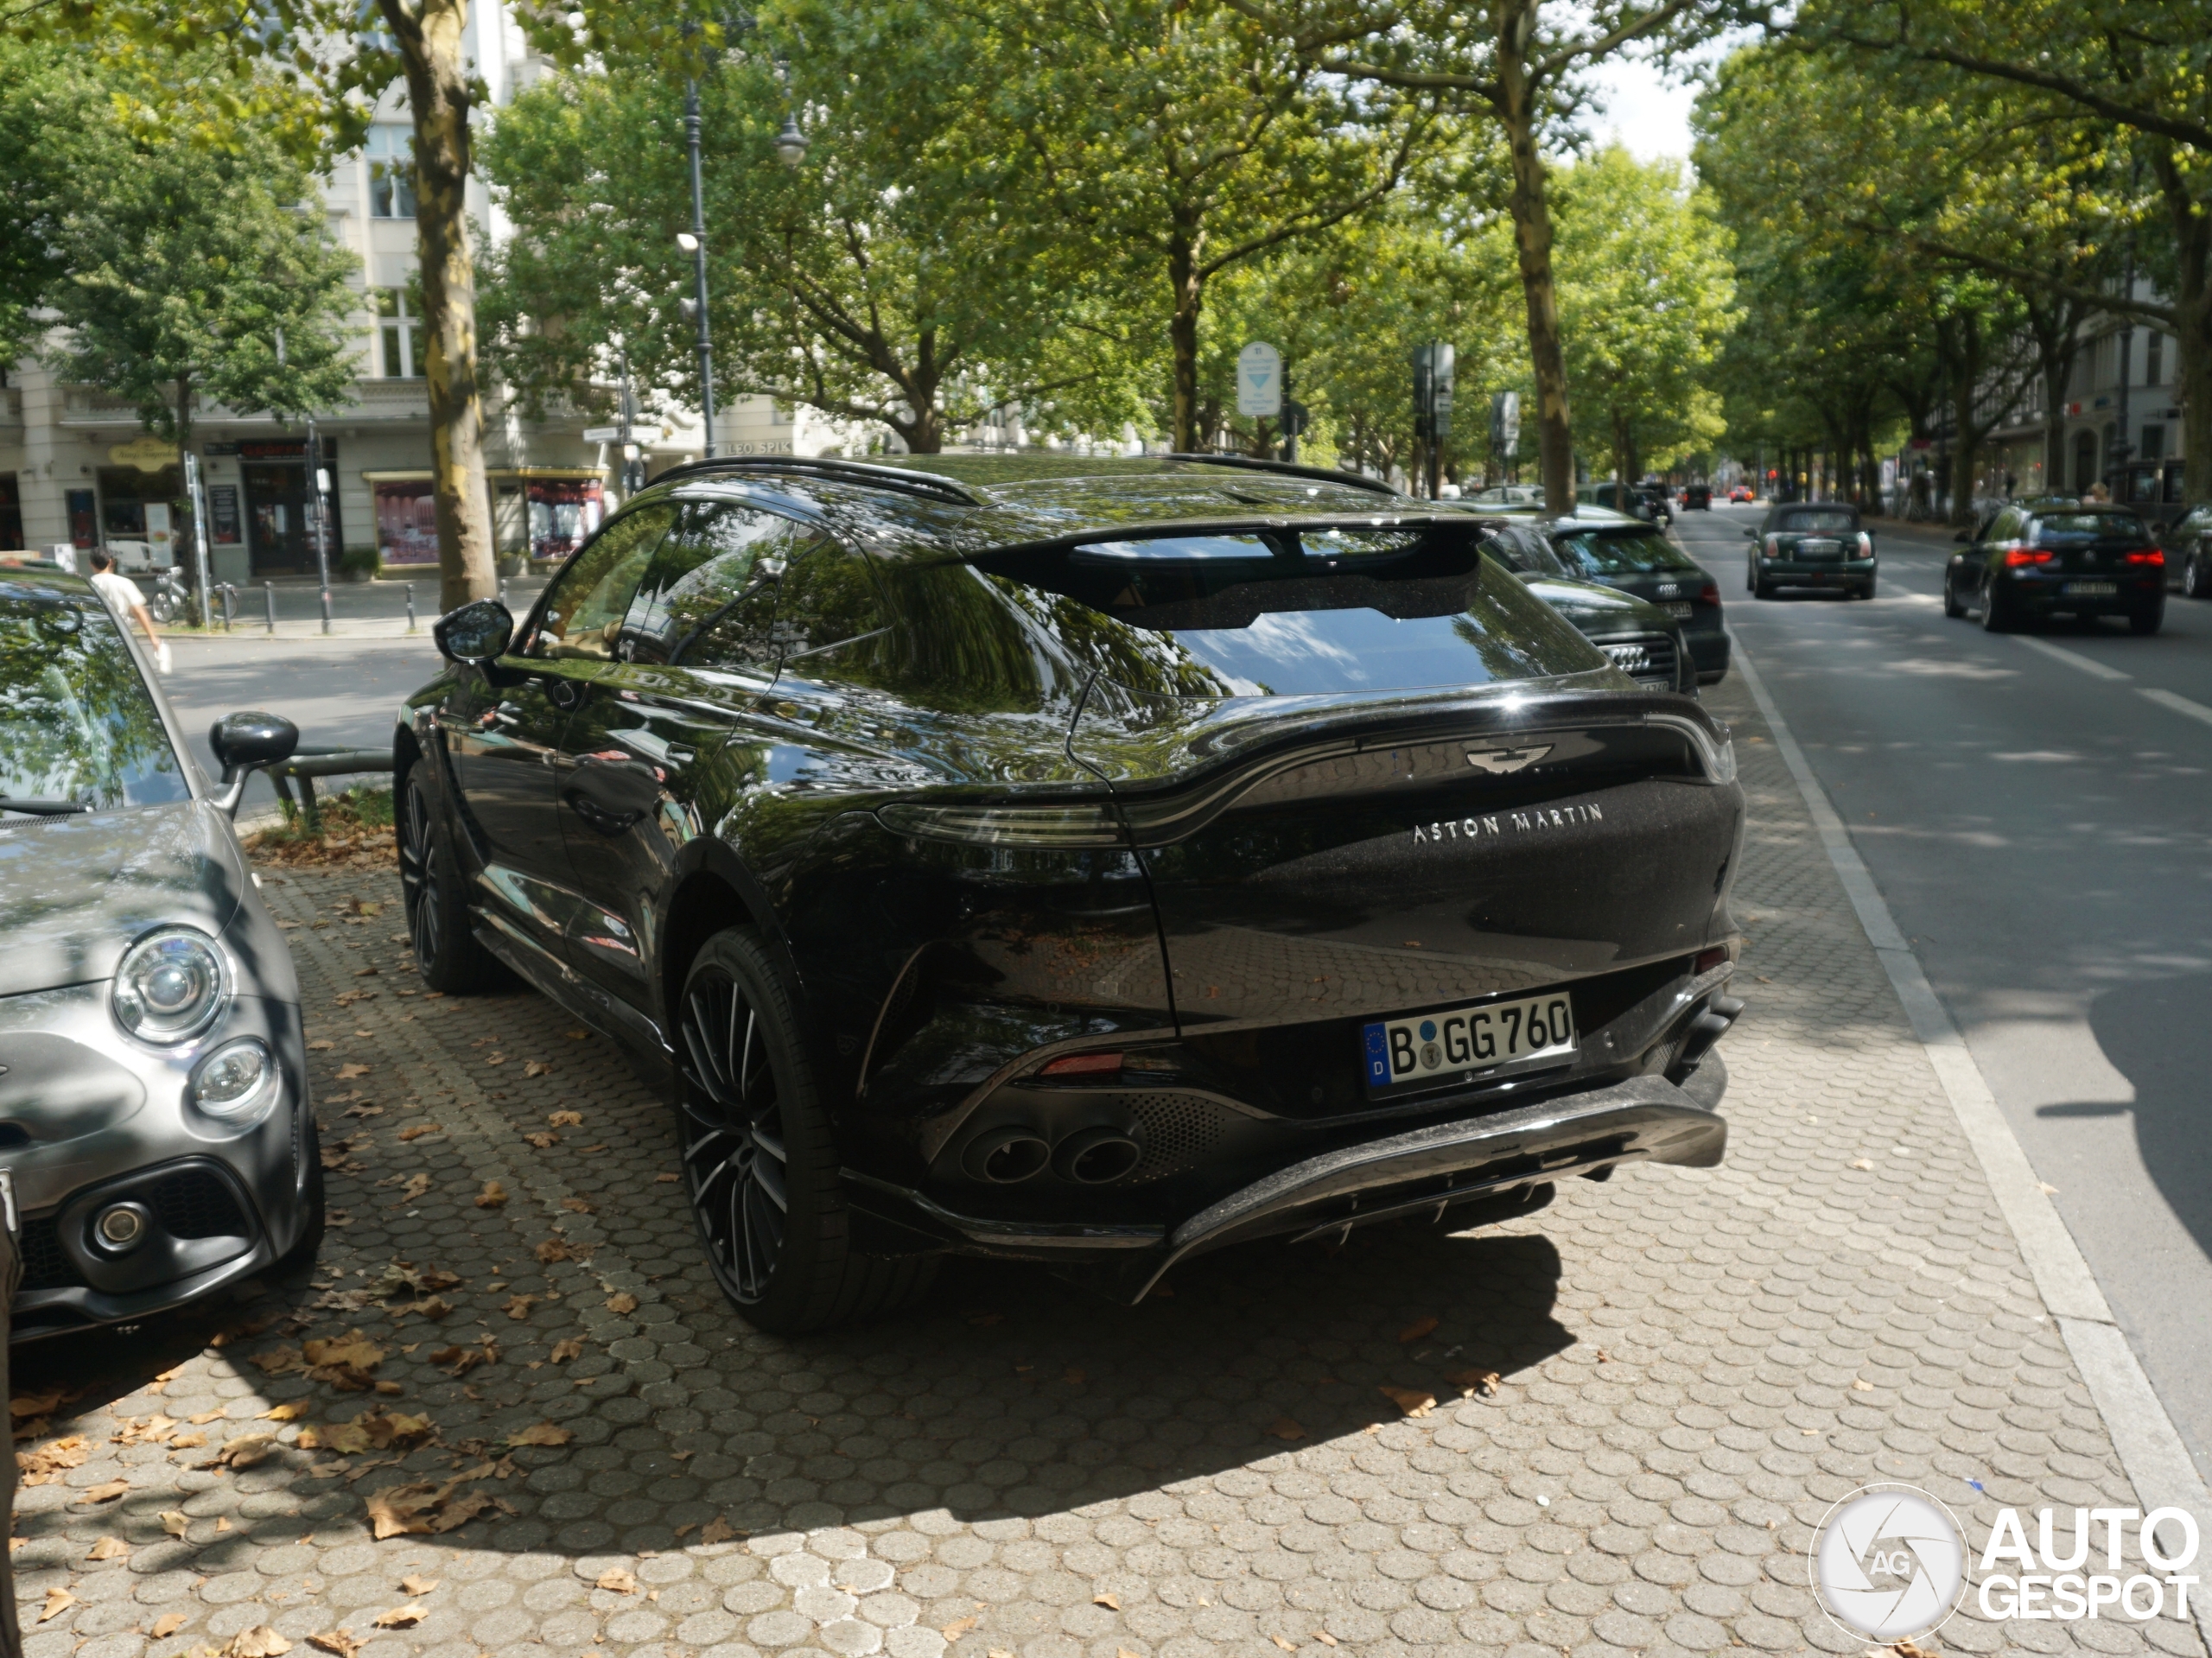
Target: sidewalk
<point>1694,1364</point>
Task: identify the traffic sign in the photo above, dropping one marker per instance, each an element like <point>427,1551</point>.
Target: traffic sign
<point>603,434</point>
<point>1259,381</point>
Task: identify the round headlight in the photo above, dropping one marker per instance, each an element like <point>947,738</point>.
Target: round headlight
<point>171,985</point>
<point>236,1083</point>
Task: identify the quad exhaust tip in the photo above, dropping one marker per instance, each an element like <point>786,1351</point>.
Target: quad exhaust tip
<point>1095,1157</point>
<point>1004,1156</point>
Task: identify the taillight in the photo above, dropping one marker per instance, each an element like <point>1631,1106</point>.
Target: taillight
<point>2016,556</point>
<point>1081,1065</point>
<point>1709,593</point>
<point>1865,546</point>
<point>2148,556</point>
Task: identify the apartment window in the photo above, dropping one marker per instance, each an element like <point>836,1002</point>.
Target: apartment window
<point>2154,440</point>
<point>399,336</point>
<point>2154,359</point>
<point>390,154</point>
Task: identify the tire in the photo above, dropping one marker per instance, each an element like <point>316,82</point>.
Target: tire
<point>1761,587</point>
<point>1751,577</point>
<point>2196,576</point>
<point>2146,621</point>
<point>164,607</point>
<point>1866,592</point>
<point>446,950</point>
<point>759,1161</point>
<point>1952,607</point>
<point>1996,614</point>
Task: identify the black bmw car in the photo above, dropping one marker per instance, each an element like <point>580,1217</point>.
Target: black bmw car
<point>1089,862</point>
<point>2029,563</point>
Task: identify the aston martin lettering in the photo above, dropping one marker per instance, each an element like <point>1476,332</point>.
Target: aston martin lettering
<point>1493,824</point>
<point>1502,760</point>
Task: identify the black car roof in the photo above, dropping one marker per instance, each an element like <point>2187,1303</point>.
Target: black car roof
<point>971,503</point>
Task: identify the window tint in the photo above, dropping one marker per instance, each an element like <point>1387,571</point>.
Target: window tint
<point>1525,552</point>
<point>826,598</point>
<point>1828,521</point>
<point>1625,551</point>
<point>76,721</point>
<point>2105,526</point>
<point>584,612</point>
<point>707,598</point>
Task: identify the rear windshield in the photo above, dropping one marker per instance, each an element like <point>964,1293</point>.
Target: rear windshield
<point>2107,526</point>
<point>1835,521</point>
<point>76,721</point>
<point>1633,550</point>
<point>1298,612</point>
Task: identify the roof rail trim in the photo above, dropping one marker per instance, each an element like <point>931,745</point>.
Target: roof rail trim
<point>1291,468</point>
<point>933,485</point>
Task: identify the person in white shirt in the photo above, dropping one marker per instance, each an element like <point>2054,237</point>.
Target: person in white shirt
<point>126,601</point>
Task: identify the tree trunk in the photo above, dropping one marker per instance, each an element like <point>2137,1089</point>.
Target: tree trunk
<point>2192,233</point>
<point>1968,377</point>
<point>430,44</point>
<point>1516,107</point>
<point>1183,336</point>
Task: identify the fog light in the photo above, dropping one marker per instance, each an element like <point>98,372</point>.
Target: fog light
<point>121,1226</point>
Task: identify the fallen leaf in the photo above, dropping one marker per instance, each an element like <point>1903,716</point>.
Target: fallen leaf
<point>243,1452</point>
<point>1471,1382</point>
<point>49,1461</point>
<point>565,1120</point>
<point>554,1249</point>
<point>623,1301</point>
<point>544,1139</point>
<point>494,1196</point>
<point>421,1129</point>
<point>2046,1188</point>
<point>666,1179</point>
<point>401,1618</point>
<point>321,1044</point>
<point>717,1530</point>
<point>1287,1646</point>
<point>1324,1637</point>
<point>335,1641</point>
<point>958,1627</point>
<point>58,1601</point>
<point>187,1442</point>
<point>352,1348</point>
<point>106,1491</point>
<point>1859,1384</point>
<point>1860,1163</point>
<point>167,1625</point>
<point>412,1585</point>
<point>1419,1327</point>
<point>566,1348</point>
<point>174,1523</point>
<point>518,1307</point>
<point>346,1073</point>
<point>536,1068</point>
<point>37,1404</point>
<point>1414,1401</point>
<point>1105,1597</point>
<point>433,1307</point>
<point>618,1579</point>
<point>421,1507</point>
<point>1284,1428</point>
<point>260,1642</point>
<point>108,1548</point>
<point>459,1361</point>
<point>290,1410</point>
<point>540,1434</point>
<point>577,1206</point>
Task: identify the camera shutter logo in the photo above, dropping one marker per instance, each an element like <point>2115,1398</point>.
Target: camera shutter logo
<point>1889,1563</point>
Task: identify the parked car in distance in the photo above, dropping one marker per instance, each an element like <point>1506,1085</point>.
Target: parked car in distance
<point>1627,498</point>
<point>1644,642</point>
<point>1817,545</point>
<point>1741,492</point>
<point>154,1122</point>
<point>1508,495</point>
<point>1697,498</point>
<point>2188,546</point>
<point>1083,861</point>
<point>1637,559</point>
<point>2028,563</point>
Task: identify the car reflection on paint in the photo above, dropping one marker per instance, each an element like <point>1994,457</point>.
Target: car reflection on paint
<point>1017,856</point>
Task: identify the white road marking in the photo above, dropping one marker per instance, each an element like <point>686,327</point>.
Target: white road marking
<point>2179,703</point>
<point>2071,658</point>
<point>2149,1449</point>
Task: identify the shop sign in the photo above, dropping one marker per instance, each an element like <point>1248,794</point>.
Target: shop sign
<point>147,453</point>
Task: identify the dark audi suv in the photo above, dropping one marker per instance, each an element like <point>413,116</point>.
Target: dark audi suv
<point>1090,862</point>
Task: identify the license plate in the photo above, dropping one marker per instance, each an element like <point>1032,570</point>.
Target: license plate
<point>1469,1042</point>
<point>1680,610</point>
<point>2092,589</point>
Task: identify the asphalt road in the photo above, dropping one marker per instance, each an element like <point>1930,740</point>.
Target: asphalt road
<point>2034,808</point>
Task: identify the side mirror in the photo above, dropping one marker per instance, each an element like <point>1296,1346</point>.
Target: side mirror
<point>1963,534</point>
<point>245,742</point>
<point>1750,535</point>
<point>475,633</point>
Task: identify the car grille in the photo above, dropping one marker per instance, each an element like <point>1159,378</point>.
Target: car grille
<point>1648,661</point>
<point>189,1204</point>
<point>45,1267</point>
<point>1179,1129</point>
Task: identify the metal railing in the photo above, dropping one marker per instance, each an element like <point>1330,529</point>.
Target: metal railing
<point>310,761</point>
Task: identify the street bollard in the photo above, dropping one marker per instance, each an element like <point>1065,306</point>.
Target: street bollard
<point>410,608</point>
<point>503,593</point>
<point>230,604</point>
<point>326,609</point>
<point>268,598</point>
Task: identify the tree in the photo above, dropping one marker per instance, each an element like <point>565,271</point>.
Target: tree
<point>182,267</point>
<point>2135,68</point>
<point>881,281</point>
<point>1647,296</point>
<point>1167,141</point>
<point>1515,62</point>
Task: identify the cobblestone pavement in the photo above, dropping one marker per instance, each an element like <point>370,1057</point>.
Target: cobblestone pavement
<point>1696,1364</point>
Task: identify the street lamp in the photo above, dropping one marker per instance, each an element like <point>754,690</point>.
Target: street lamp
<point>790,142</point>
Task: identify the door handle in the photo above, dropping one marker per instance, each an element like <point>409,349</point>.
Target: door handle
<point>563,694</point>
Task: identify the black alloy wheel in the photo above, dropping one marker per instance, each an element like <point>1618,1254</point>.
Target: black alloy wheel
<point>759,1162</point>
<point>446,950</point>
<point>2196,574</point>
<point>1952,607</point>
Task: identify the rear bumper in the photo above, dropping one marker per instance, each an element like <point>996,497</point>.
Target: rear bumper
<point>2132,593</point>
<point>1487,1166</point>
<point>1783,572</point>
